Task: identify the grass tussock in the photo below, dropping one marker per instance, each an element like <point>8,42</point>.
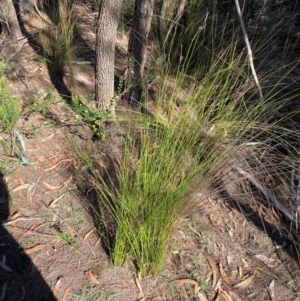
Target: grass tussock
<point>57,42</point>
<point>221,127</point>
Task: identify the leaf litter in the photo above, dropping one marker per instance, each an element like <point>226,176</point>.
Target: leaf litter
<point>190,244</point>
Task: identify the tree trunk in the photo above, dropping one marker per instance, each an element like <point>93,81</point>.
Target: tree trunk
<point>138,42</point>
<point>163,15</point>
<point>9,16</point>
<point>107,24</point>
<point>10,21</point>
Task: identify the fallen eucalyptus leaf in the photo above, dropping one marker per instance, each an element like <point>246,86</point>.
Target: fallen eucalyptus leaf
<point>214,269</point>
<point>34,249</point>
<point>92,277</point>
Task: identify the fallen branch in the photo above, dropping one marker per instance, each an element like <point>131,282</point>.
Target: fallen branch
<point>248,49</point>
<point>21,218</point>
<point>267,193</point>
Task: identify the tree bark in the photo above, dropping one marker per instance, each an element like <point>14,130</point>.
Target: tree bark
<point>163,15</point>
<point>10,21</point>
<point>138,42</point>
<point>107,24</point>
<point>9,16</point>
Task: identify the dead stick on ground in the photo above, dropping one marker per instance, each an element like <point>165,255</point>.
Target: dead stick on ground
<point>267,193</point>
<point>57,215</point>
<point>21,218</point>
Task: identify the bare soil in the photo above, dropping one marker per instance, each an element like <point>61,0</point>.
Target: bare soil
<point>50,249</point>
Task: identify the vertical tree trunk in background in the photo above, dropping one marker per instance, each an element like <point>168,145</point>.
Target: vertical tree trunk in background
<point>138,40</point>
<point>107,24</point>
<point>9,16</point>
<point>162,16</point>
<point>10,21</point>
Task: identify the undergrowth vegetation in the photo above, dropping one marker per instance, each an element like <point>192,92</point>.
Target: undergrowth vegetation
<point>210,124</point>
<point>57,42</point>
<point>10,107</point>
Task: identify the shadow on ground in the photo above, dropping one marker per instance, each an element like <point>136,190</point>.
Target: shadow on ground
<point>19,278</point>
<point>283,233</point>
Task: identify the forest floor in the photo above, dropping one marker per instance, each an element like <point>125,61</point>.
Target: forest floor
<point>216,252</point>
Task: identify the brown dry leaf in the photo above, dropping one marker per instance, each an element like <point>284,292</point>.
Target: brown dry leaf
<point>67,182</point>
<point>88,234</point>
<point>50,187</point>
<point>50,158</point>
<point>125,284</point>
<point>225,295</point>
<point>137,281</point>
<point>21,187</point>
<point>92,277</point>
<point>202,297</point>
<point>39,159</point>
<point>246,282</point>
<point>269,262</point>
<point>56,164</point>
<point>30,230</point>
<point>224,275</point>
<point>246,264</point>
<point>55,289</point>
<point>218,285</point>
<point>101,163</point>
<point>55,201</point>
<point>271,290</point>
<point>214,269</point>
<point>34,249</point>
<point>188,281</point>
<point>208,276</point>
<point>275,213</point>
<point>71,231</point>
<point>66,293</point>
<point>234,296</point>
<point>5,267</point>
<point>51,135</point>
<point>240,272</point>
<point>212,221</point>
<point>195,231</point>
<point>271,222</point>
<point>15,215</point>
<point>21,180</point>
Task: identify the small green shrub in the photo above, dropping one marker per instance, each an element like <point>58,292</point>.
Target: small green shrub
<point>44,100</point>
<point>10,107</point>
<point>91,116</point>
